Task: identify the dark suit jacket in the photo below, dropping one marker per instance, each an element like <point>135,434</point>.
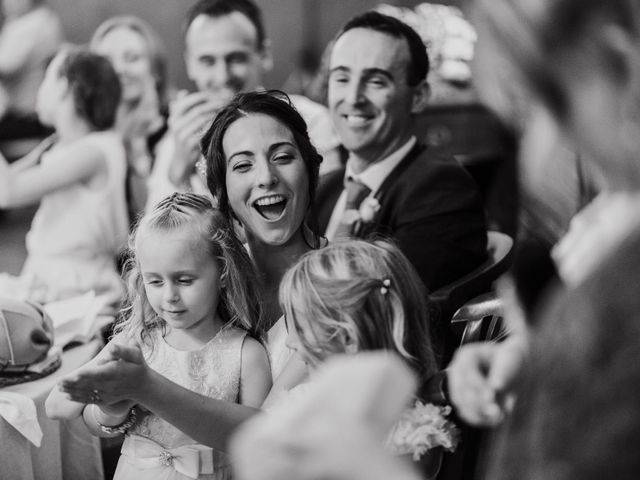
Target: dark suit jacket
<point>430,207</point>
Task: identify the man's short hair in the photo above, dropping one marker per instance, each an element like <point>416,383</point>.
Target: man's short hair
<point>219,8</point>
<point>419,65</point>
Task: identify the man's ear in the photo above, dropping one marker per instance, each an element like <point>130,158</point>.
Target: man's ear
<point>421,94</point>
<point>266,55</point>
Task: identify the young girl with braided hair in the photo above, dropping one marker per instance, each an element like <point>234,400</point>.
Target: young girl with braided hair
<point>194,314</point>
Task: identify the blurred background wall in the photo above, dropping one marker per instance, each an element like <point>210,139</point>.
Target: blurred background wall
<point>296,28</point>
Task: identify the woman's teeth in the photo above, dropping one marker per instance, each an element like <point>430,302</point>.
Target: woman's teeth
<point>271,207</point>
<point>270,200</point>
<point>356,120</point>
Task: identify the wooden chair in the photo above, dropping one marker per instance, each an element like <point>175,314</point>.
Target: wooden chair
<point>499,255</point>
<point>481,319</point>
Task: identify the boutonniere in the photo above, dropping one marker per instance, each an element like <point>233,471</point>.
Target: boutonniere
<point>365,214</point>
<point>421,428</point>
<point>368,209</point>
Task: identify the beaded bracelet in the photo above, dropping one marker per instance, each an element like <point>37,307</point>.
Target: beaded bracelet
<point>129,422</point>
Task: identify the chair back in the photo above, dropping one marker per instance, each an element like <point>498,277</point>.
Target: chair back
<point>481,319</point>
<point>478,317</point>
<point>499,255</point>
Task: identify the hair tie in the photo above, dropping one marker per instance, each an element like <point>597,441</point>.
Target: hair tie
<point>386,284</point>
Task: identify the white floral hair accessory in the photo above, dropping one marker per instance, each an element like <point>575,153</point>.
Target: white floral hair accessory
<point>421,428</point>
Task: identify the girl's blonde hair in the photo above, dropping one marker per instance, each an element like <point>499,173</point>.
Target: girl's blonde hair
<point>358,296</point>
<point>239,303</point>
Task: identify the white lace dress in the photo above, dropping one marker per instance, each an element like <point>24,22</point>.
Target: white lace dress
<point>155,449</point>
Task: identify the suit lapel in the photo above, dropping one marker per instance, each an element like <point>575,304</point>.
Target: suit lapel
<point>388,184</point>
<point>391,179</point>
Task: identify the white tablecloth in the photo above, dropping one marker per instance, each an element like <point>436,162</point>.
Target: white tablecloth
<point>68,451</point>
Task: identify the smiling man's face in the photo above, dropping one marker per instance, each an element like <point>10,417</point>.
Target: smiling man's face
<point>369,97</point>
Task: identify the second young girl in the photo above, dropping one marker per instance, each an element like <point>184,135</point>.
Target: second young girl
<point>355,296</point>
<point>359,296</point>
<point>194,313</point>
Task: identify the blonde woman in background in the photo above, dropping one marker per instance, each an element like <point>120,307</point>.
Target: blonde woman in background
<point>138,56</point>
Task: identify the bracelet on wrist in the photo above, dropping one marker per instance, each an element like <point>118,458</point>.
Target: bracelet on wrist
<point>128,422</point>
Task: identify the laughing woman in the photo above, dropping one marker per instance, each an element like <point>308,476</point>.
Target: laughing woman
<point>263,169</point>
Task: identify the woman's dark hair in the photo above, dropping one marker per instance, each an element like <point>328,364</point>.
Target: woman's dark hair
<point>418,67</point>
<point>275,104</point>
<point>94,85</point>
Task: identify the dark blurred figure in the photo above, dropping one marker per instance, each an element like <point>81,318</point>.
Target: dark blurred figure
<point>579,63</point>
<point>30,36</point>
<point>578,409</point>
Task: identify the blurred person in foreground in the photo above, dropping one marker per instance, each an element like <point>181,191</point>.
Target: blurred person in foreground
<point>577,414</point>
<point>579,61</point>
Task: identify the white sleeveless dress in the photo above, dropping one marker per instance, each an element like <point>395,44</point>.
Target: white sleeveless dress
<point>279,353</point>
<point>156,450</point>
<point>78,231</point>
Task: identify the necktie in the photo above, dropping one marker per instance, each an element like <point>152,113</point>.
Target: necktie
<point>356,193</point>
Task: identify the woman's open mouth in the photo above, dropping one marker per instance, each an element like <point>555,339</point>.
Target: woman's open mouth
<point>271,207</point>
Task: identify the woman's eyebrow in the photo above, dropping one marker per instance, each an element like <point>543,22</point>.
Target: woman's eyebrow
<point>248,153</point>
<point>275,146</point>
<point>272,147</point>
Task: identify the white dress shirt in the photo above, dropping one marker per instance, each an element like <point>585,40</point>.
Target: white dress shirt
<point>373,177</point>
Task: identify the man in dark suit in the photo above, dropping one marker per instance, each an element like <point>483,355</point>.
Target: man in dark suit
<point>428,204</point>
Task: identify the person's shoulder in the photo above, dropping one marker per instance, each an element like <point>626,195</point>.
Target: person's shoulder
<point>431,167</point>
<point>431,159</point>
<point>87,147</point>
<point>332,177</point>
<point>106,143</point>
<point>253,352</point>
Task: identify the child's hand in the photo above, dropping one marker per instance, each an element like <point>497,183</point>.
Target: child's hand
<point>120,374</point>
<point>117,409</point>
